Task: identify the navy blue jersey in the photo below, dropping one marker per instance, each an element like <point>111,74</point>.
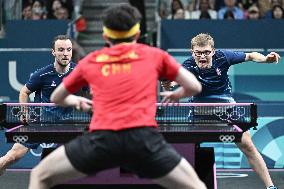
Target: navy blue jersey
<point>215,80</point>
<point>43,82</point>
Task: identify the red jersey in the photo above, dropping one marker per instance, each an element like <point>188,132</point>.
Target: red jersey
<point>123,79</point>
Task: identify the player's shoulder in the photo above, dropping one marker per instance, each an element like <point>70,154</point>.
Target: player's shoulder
<point>220,53</point>
<point>189,61</point>
<point>72,65</point>
<point>228,54</point>
<point>225,52</point>
<point>44,70</point>
<point>189,64</point>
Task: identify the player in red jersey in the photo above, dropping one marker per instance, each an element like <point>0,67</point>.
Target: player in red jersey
<point>123,127</point>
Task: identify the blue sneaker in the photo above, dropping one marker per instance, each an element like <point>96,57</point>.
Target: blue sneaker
<point>272,187</point>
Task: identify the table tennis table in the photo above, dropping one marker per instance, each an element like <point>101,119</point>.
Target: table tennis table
<point>185,126</point>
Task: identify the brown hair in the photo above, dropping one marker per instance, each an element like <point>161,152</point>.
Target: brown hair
<point>60,37</point>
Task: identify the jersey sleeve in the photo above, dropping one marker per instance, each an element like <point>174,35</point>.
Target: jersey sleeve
<point>234,57</point>
<point>75,80</point>
<point>34,82</point>
<point>170,67</point>
<point>187,64</point>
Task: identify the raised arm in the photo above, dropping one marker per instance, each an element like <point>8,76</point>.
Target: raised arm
<point>272,57</point>
<point>189,86</point>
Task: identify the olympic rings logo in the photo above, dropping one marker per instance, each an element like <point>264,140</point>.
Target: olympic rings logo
<point>20,138</point>
<point>30,114</point>
<point>227,138</point>
<point>38,152</point>
<point>234,113</point>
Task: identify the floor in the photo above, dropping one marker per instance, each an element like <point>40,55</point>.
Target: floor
<point>227,179</point>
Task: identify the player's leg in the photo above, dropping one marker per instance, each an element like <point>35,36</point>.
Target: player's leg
<point>13,155</point>
<point>159,161</point>
<point>46,174</point>
<point>254,158</point>
<point>182,176</point>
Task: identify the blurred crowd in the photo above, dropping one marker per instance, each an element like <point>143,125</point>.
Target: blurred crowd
<point>69,10</point>
<point>41,9</point>
<point>47,9</point>
<point>220,9</point>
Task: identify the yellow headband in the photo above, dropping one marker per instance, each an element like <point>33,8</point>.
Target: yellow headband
<point>121,34</point>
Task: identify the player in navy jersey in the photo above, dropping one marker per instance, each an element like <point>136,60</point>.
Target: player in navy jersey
<point>43,82</point>
<point>211,67</point>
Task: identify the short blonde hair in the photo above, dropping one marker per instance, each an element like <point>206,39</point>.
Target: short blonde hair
<point>201,40</point>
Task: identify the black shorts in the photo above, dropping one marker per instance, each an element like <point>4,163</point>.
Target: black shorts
<point>142,151</point>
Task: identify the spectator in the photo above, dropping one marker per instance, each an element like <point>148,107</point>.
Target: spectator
<point>61,13</point>
<point>179,14</point>
<point>229,15</point>
<point>273,3</point>
<point>37,14</point>
<point>56,4</point>
<point>69,5</point>
<point>230,5</point>
<point>205,15</point>
<point>264,6</point>
<point>204,12</point>
<point>218,5</point>
<point>253,13</point>
<point>175,6</point>
<point>246,4</point>
<point>27,12</point>
<point>196,4</point>
<point>242,4</point>
<point>277,12</point>
<point>164,8</point>
<point>38,10</point>
<point>52,5</point>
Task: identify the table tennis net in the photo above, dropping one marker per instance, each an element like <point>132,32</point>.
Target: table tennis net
<point>174,114</point>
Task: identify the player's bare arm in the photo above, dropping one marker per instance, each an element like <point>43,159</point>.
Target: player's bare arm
<point>24,98</point>
<point>24,94</point>
<point>272,57</point>
<point>62,97</point>
<point>189,86</point>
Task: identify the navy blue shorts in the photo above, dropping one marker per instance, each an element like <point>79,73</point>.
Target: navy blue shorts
<point>142,151</point>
